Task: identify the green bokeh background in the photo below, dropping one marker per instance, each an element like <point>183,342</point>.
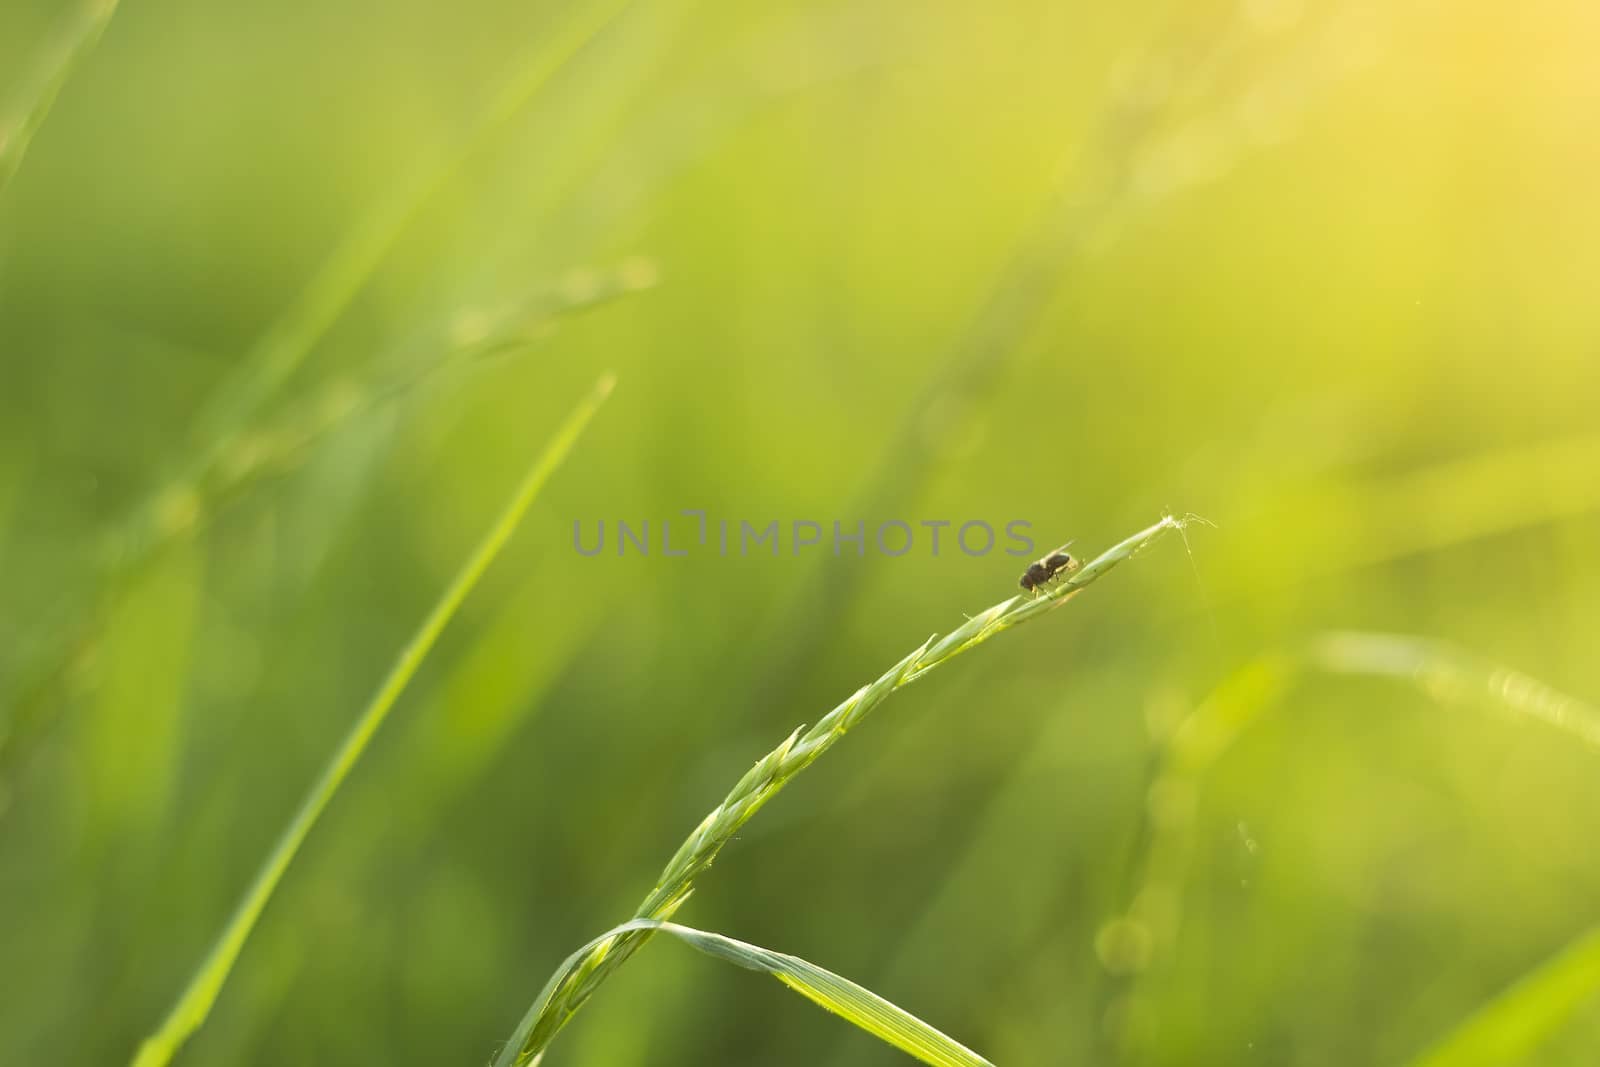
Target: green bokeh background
<point>1322,272</point>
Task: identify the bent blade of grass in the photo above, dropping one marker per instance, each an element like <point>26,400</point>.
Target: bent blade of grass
<point>16,132</point>
<point>192,1006</point>
<point>575,982</point>
<point>1447,673</point>
<point>1442,671</point>
<point>1341,527</point>
<point>1509,1028</point>
<point>856,1004</point>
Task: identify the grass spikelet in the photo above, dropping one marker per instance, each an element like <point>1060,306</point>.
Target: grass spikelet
<point>774,771</point>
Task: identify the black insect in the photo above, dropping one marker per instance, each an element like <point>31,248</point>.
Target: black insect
<point>1041,571</point>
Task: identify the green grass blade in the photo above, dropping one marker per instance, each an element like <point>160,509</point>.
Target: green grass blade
<point>575,982</point>
<point>854,1003</point>
<point>1509,1029</point>
<point>16,132</point>
<point>192,1006</point>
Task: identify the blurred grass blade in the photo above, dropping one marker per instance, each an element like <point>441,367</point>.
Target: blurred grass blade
<point>1158,876</point>
<point>1509,1029</point>
<point>1449,674</point>
<point>223,432</point>
<point>273,448</point>
<point>576,982</point>
<point>195,1002</point>
<point>1087,191</point>
<point>1435,507</point>
<point>347,270</point>
<point>857,1005</point>
<point>16,132</point>
<point>295,333</point>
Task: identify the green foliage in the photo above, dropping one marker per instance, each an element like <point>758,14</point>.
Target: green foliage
<point>289,293</point>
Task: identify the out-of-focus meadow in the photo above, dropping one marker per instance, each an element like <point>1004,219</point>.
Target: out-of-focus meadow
<point>1323,272</point>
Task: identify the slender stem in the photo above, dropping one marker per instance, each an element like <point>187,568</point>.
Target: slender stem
<point>194,1003</point>
<point>578,978</point>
